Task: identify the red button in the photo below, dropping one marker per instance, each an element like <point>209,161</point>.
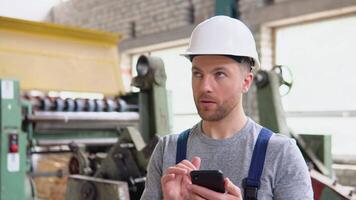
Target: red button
<point>14,148</point>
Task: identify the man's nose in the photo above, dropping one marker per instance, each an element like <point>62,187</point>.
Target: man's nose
<point>206,84</point>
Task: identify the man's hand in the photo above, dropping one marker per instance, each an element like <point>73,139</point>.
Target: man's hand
<point>175,180</point>
<point>197,192</point>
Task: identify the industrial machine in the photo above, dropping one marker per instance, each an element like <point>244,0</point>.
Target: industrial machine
<point>110,136</point>
<point>110,139</point>
<point>272,115</point>
<point>127,159</point>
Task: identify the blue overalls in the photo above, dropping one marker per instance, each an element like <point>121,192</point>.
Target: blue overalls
<point>251,183</point>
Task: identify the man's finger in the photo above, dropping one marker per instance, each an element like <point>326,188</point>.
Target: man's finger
<point>231,188</point>
<point>183,166</point>
<point>187,180</point>
<point>166,178</point>
<point>196,162</point>
<point>176,170</point>
<point>188,164</point>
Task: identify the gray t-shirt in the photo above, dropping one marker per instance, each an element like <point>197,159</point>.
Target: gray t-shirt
<point>285,174</point>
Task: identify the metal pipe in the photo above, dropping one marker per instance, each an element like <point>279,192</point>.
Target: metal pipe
<point>86,141</point>
<point>41,116</point>
<point>51,152</point>
<point>59,173</point>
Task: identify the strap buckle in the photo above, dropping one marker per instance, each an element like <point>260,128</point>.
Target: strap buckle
<point>250,189</point>
<point>250,193</point>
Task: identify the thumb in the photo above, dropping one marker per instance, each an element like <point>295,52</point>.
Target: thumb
<point>231,188</point>
<point>196,162</point>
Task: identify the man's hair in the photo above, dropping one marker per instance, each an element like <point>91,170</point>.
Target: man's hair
<point>244,60</point>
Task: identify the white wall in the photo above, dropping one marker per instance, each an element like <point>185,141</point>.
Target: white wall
<point>35,10</point>
<point>321,56</point>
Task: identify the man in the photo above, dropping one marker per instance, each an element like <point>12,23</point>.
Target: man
<point>223,51</point>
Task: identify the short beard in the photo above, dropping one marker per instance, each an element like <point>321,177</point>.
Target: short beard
<point>221,112</point>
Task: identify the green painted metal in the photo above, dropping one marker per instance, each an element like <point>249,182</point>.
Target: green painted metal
<point>272,115</point>
<point>161,111</point>
<point>12,166</point>
<point>155,116</point>
<point>321,146</point>
<point>226,7</point>
<point>271,112</point>
<point>329,194</point>
<point>28,127</point>
<point>146,125</point>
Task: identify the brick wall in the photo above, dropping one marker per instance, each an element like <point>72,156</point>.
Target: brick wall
<point>132,18</point>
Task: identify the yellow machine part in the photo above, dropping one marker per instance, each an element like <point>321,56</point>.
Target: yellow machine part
<point>50,57</point>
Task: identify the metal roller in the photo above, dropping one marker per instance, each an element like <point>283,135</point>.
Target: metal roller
<point>79,105</point>
<point>70,105</point>
<point>100,105</point>
<point>110,105</point>
<point>46,104</point>
<point>122,105</point>
<point>90,105</point>
<point>59,104</point>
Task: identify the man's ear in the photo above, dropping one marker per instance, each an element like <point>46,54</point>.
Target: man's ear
<point>247,82</point>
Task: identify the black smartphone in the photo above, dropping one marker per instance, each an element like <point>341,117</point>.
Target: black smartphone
<point>211,179</point>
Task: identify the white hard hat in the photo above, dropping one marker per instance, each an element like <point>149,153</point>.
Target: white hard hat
<point>222,35</point>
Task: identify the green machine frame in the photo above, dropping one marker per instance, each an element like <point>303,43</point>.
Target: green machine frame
<point>13,143</point>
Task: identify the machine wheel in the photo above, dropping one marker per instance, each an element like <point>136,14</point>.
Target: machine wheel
<point>88,191</point>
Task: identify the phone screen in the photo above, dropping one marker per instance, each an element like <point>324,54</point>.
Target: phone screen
<point>211,179</point>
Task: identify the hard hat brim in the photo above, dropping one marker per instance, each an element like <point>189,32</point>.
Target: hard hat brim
<point>188,55</point>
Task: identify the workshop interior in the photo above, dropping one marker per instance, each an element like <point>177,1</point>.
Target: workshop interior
<point>89,87</point>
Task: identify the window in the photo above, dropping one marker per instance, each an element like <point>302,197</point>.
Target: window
<point>322,100</point>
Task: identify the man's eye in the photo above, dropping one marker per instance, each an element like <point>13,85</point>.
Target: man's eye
<point>197,74</point>
<point>220,74</point>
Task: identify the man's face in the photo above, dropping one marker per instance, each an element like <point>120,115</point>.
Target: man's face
<point>218,83</point>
